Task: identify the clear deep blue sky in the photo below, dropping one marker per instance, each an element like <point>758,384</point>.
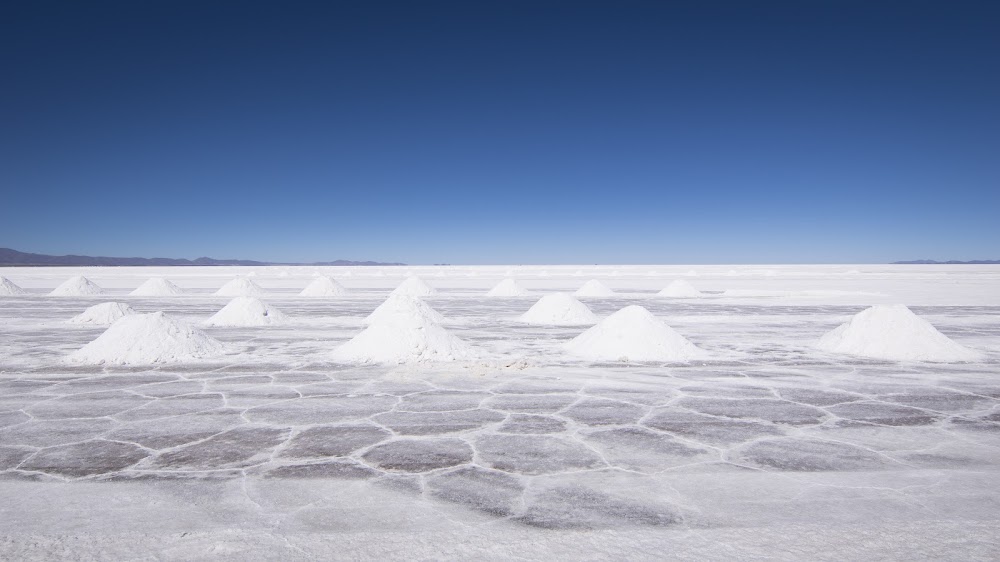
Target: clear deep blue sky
<point>502,131</point>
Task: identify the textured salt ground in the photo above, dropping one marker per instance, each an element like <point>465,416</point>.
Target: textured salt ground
<point>784,455</point>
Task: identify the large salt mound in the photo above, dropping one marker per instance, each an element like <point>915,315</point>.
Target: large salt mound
<point>679,289</point>
<point>143,339</point>
<point>323,287</point>
<point>247,311</point>
<point>559,309</point>
<point>403,338</point>
<point>508,288</point>
<point>633,334</point>
<point>157,287</point>
<point>240,287</point>
<point>75,287</point>
<point>404,306</point>
<point>594,288</point>
<point>414,287</point>
<point>103,314</point>
<point>7,288</point>
<point>895,333</point>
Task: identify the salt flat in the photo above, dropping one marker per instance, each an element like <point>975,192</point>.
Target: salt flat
<point>769,448</point>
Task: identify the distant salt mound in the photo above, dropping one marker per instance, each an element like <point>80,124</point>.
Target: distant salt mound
<point>633,334</point>
<point>157,287</point>
<point>404,306</point>
<point>104,314</point>
<point>508,288</point>
<point>559,309</point>
<point>9,289</point>
<point>78,286</point>
<point>414,287</point>
<point>594,288</point>
<point>404,336</point>
<point>895,333</point>
<point>247,311</point>
<point>240,287</point>
<point>144,339</point>
<point>323,287</point>
<point>679,289</point>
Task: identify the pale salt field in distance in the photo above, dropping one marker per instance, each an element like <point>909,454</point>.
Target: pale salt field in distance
<point>788,411</point>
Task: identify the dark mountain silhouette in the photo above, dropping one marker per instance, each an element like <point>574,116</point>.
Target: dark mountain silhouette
<point>9,257</point>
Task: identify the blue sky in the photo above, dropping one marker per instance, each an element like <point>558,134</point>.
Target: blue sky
<point>503,132</point>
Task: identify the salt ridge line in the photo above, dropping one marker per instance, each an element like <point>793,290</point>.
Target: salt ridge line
<point>324,286</point>
<point>157,287</point>
<point>240,287</point>
<point>559,309</point>
<point>9,289</point>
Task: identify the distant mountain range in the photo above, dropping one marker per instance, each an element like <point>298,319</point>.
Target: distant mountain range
<point>951,262</point>
<point>10,257</point>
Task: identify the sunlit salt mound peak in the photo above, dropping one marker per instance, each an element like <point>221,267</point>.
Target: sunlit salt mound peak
<point>633,334</point>
<point>508,288</point>
<point>895,333</point>
<point>240,287</point>
<point>403,306</point>
<point>679,289</point>
<point>77,286</point>
<point>104,314</point>
<point>144,339</point>
<point>404,337</point>
<point>559,309</point>
<point>157,287</point>
<point>414,287</point>
<point>8,288</point>
<point>247,311</point>
<point>323,287</point>
<point>594,288</point>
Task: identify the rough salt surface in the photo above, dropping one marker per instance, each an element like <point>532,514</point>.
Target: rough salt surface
<point>77,286</point>
<point>143,339</point>
<point>240,287</point>
<point>895,333</point>
<point>247,311</point>
<point>157,287</point>
<point>594,288</point>
<point>323,287</point>
<point>559,309</point>
<point>633,334</point>
<point>508,288</point>
<point>679,289</point>
<point>103,314</point>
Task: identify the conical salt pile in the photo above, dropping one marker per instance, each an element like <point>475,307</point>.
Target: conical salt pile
<point>414,287</point>
<point>240,287</point>
<point>508,288</point>
<point>323,287</point>
<point>559,309</point>
<point>895,333</point>
<point>594,288</point>
<point>143,339</point>
<point>403,336</point>
<point>104,314</point>
<point>404,306</point>
<point>680,289</point>
<point>157,287</point>
<point>633,334</point>
<point>247,311</point>
<point>8,289</point>
<point>78,286</point>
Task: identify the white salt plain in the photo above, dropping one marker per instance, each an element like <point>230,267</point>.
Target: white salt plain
<point>265,447</point>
